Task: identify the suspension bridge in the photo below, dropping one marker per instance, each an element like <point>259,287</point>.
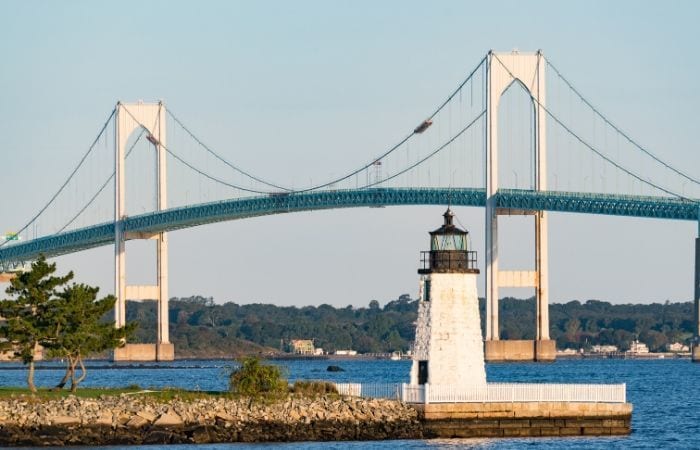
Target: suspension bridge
<point>499,121</point>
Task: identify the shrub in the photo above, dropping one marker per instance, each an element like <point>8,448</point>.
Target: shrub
<point>254,379</point>
<point>314,387</point>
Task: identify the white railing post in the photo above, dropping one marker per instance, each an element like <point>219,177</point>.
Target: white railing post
<point>426,393</point>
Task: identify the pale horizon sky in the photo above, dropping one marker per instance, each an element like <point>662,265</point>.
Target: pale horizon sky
<point>306,90</point>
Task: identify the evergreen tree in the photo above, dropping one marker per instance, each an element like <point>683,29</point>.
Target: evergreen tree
<point>26,324</point>
<point>79,331</point>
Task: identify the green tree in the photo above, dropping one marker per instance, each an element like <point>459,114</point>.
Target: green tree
<point>26,324</point>
<point>253,378</point>
<point>78,330</point>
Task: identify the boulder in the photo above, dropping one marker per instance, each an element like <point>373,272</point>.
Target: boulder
<point>137,422</point>
<point>147,415</point>
<point>169,419</point>
<point>65,420</point>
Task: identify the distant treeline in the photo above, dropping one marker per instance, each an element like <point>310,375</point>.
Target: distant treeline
<point>201,328</point>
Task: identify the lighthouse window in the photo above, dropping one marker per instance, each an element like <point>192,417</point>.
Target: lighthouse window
<point>449,242</point>
<point>426,291</point>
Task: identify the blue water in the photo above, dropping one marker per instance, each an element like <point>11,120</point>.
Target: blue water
<point>665,394</point>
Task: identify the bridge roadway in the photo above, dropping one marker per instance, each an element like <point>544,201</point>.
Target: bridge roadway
<point>190,216</point>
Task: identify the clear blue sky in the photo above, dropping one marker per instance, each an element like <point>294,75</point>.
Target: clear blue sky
<point>311,88</point>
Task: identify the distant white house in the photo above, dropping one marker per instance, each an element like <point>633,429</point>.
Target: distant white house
<point>638,347</point>
<point>677,347</point>
<point>604,348</point>
<point>567,351</point>
<point>346,352</point>
<point>301,346</point>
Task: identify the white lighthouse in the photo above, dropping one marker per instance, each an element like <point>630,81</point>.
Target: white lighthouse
<point>448,349</point>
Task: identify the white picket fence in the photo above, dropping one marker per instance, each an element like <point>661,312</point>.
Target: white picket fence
<point>371,390</point>
<point>491,392</point>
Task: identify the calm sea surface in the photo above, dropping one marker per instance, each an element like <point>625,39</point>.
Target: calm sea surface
<point>665,394</point>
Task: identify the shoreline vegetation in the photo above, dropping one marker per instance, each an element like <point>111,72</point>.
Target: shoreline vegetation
<point>203,329</point>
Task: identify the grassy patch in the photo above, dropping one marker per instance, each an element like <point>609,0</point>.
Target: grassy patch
<point>160,394</point>
<point>314,388</point>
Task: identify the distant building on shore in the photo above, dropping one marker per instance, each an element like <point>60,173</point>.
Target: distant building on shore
<point>638,347</point>
<point>604,349</point>
<point>677,347</point>
<point>301,347</point>
<point>346,352</point>
<point>568,351</point>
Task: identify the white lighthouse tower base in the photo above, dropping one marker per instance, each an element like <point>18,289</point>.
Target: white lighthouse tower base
<point>448,349</point>
<point>448,332</point>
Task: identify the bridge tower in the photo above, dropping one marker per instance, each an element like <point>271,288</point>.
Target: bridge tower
<point>129,117</point>
<point>504,69</point>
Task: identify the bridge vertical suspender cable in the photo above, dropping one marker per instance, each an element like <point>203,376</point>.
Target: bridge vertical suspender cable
<point>104,185</point>
<point>63,186</point>
<point>618,129</point>
<point>339,179</point>
<point>592,148</point>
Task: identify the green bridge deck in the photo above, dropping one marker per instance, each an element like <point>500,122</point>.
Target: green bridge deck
<point>235,209</point>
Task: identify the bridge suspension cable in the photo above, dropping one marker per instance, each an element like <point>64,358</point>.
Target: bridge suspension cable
<point>430,155</point>
<point>221,158</point>
<point>618,129</point>
<point>70,177</point>
<point>376,182</point>
<point>201,172</point>
<point>104,185</point>
<point>415,131</point>
<point>366,166</point>
<point>591,147</point>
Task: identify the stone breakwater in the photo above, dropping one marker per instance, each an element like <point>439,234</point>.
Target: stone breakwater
<point>138,419</point>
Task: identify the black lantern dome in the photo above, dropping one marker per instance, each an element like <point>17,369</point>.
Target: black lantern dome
<point>449,252</point>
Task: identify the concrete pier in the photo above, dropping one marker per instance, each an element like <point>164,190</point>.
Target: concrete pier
<point>520,350</point>
<point>525,419</point>
<point>144,352</point>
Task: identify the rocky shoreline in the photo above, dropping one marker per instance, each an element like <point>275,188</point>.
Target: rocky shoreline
<point>141,419</point>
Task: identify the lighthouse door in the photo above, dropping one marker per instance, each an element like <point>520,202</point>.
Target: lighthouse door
<point>422,372</point>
